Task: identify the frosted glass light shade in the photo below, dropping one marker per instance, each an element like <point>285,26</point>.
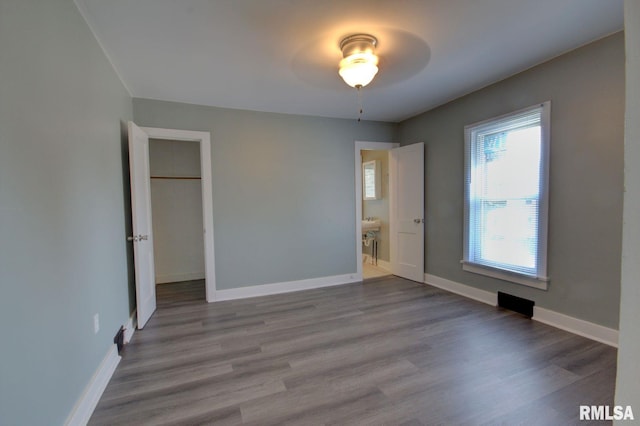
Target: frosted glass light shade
<point>360,63</point>
<point>359,69</point>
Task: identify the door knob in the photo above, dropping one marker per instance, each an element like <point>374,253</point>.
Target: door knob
<point>417,220</point>
<point>138,237</point>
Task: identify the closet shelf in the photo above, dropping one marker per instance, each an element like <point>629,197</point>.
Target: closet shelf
<point>176,177</point>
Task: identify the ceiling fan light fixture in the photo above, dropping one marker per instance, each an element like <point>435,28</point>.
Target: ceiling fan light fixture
<point>360,63</point>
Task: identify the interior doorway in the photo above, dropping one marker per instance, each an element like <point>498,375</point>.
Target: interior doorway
<point>142,238</point>
<point>406,192</point>
<point>373,248</point>
<point>176,206</point>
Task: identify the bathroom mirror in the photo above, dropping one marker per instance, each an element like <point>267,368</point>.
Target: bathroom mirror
<point>371,180</point>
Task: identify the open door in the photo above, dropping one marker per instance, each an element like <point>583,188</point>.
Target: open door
<point>142,237</point>
<point>406,203</point>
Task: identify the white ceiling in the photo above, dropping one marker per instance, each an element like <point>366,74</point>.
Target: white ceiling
<point>282,55</point>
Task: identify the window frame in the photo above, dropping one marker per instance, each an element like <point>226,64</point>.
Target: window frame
<point>377,189</point>
<point>540,280</point>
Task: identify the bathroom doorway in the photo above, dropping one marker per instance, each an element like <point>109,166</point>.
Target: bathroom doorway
<point>373,208</point>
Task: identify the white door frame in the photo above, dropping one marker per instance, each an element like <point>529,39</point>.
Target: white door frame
<point>204,138</point>
<point>359,146</point>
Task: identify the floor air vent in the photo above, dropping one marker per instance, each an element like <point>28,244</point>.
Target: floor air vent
<point>516,304</point>
<point>119,339</point>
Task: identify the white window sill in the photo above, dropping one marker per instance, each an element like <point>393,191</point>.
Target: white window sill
<point>539,283</point>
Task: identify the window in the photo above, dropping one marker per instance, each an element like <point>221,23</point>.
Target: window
<point>371,180</point>
<point>506,196</point>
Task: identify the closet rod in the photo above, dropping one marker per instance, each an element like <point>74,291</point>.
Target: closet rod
<point>176,177</point>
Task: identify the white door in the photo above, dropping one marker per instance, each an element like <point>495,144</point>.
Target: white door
<point>141,217</point>
<point>406,198</point>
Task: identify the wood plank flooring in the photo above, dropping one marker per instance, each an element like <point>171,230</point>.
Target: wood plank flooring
<point>386,351</point>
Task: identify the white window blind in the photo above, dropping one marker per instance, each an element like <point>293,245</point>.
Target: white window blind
<point>371,180</point>
<point>369,183</point>
<point>506,171</point>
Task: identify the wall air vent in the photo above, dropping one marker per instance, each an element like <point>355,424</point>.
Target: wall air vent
<point>119,339</point>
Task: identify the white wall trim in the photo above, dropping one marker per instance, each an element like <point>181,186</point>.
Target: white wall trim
<point>82,410</point>
<point>462,289</point>
<point>82,8</point>
<point>130,327</point>
<point>285,287</point>
<point>174,278</point>
<point>583,328</point>
<point>534,282</point>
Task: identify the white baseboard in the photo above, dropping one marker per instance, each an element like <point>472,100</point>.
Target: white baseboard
<point>174,278</point>
<point>462,289</point>
<point>82,410</point>
<point>285,287</point>
<point>583,328</point>
<point>130,327</point>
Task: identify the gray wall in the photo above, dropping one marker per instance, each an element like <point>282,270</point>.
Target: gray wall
<point>628,385</point>
<point>586,89</point>
<point>379,208</point>
<point>283,189</point>
<point>176,206</point>
<point>283,193</point>
<point>62,214</point>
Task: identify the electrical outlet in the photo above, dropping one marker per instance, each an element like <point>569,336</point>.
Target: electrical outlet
<point>96,324</point>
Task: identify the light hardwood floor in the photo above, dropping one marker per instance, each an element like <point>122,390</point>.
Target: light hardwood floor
<point>373,271</point>
<point>386,351</point>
